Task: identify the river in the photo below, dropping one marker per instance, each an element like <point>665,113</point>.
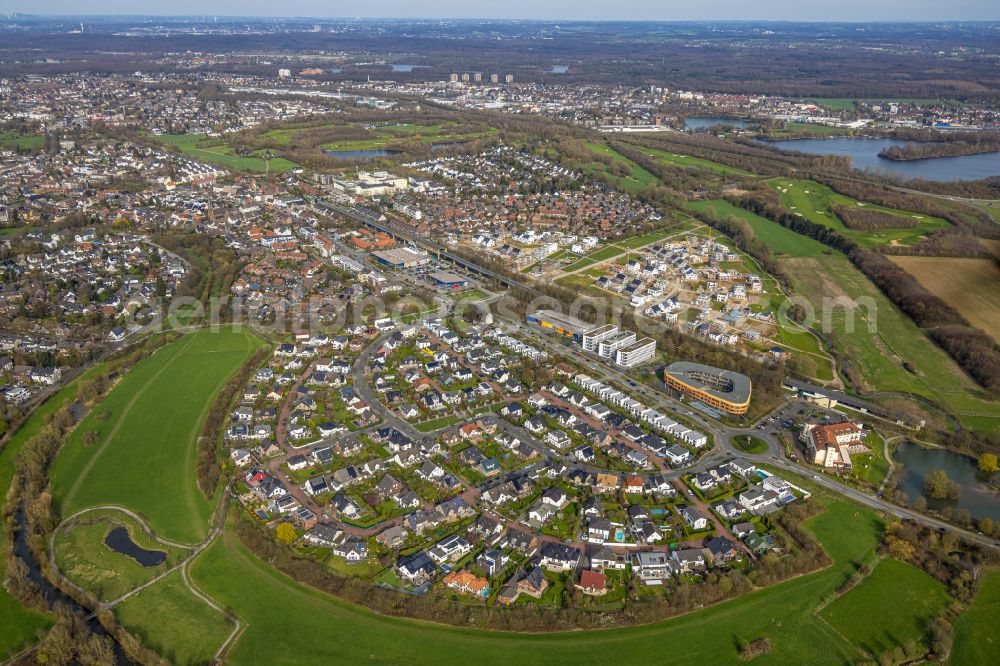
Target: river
<point>974,496</point>
<point>864,155</point>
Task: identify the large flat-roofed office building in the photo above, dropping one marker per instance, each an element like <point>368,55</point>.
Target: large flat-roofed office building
<point>718,388</point>
<point>609,346</point>
<point>565,325</point>
<point>593,339</point>
<point>638,352</point>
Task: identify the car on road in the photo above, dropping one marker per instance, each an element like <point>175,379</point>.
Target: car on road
<point>815,477</point>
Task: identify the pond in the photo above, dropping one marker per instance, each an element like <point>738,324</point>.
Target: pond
<point>360,154</point>
<point>975,495</point>
<point>864,154</point>
<point>695,124</point>
<point>120,541</point>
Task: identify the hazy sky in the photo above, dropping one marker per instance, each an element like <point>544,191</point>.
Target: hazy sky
<point>795,10</point>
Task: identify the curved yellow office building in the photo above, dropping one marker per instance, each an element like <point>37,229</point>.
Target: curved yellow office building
<point>722,389</point>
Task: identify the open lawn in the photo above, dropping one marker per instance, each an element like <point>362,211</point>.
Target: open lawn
<point>813,201</point>
<point>976,638</point>
<point>83,557</point>
<point>145,456</point>
<point>971,286</point>
<point>168,617</point>
<point>10,140</point>
<point>216,151</point>
<point>688,161</point>
<point>889,607</point>
<point>279,611</point>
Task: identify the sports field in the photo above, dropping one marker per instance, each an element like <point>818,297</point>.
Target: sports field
<point>889,607</point>
<point>278,611</point>
<point>971,286</point>
<point>976,638</point>
<point>637,177</point>
<point>674,159</point>
<point>144,458</point>
<point>813,201</point>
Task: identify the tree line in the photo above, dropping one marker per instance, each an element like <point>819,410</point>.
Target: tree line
<point>973,350</point>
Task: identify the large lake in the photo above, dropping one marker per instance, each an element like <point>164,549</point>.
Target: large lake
<point>864,155</point>
<point>918,460</point>
<point>408,68</point>
<point>695,124</point>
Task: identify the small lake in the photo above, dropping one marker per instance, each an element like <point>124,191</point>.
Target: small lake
<point>695,124</point>
<point>918,460</point>
<point>120,541</point>
<point>360,154</point>
<point>558,69</point>
<point>408,68</point>
<point>864,155</point>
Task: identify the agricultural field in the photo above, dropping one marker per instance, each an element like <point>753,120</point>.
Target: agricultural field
<point>879,355</point>
<point>279,611</point>
<point>145,449</point>
<point>687,161</point>
<point>971,286</point>
<point>637,177</point>
<point>976,640</point>
<point>216,151</point>
<point>171,619</point>
<point>887,348</point>
<point>813,201</point>
<point>889,607</point>
<point>83,557</point>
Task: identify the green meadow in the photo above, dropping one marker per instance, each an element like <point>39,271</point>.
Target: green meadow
<point>144,457</point>
<point>889,607</point>
<point>279,611</point>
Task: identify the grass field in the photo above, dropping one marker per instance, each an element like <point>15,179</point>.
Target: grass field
<point>10,140</point>
<point>880,350</point>
<point>972,286</point>
<point>215,151</point>
<point>976,639</point>
<point>84,558</point>
<point>595,257</point>
<point>813,201</point>
<point>194,631</point>
<point>692,162</point>
<point>889,607</point>
<point>145,457</point>
<point>779,240</point>
<point>279,611</point>
<point>818,273</point>
<point>750,444</point>
<point>637,177</point>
